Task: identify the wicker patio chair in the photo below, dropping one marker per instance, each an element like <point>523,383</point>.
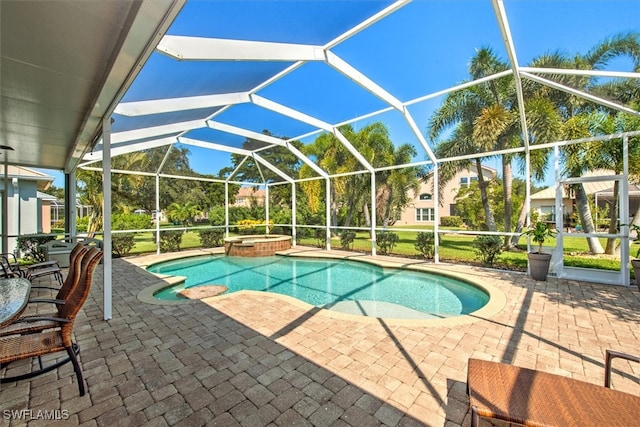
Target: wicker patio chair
<point>22,325</point>
<point>534,398</point>
<point>58,337</point>
<point>12,268</point>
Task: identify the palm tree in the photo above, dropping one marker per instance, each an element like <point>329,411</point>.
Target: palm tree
<point>395,186</point>
<point>352,192</point>
<point>183,213</point>
<point>489,113</point>
<point>578,113</point>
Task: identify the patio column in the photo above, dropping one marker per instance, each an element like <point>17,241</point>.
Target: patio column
<point>106,215</point>
<point>70,212</point>
<point>5,209</point>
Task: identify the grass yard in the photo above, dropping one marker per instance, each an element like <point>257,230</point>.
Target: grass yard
<point>453,248</point>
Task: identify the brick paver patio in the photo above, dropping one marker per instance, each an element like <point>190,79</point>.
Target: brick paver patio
<point>256,359</point>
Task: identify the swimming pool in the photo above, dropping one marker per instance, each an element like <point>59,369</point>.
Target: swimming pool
<point>341,285</point>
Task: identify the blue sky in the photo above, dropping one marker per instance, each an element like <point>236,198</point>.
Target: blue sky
<point>422,48</point>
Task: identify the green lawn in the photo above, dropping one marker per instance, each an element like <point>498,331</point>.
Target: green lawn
<point>453,248</point>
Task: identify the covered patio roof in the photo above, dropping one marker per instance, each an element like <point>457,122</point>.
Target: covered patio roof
<point>65,65</point>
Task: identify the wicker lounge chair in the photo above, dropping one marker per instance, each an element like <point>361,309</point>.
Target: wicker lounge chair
<point>533,398</point>
<point>57,337</point>
<point>11,268</point>
<point>34,308</point>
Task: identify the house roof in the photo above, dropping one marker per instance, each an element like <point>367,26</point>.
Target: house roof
<point>589,187</point>
<point>250,192</point>
<point>45,196</point>
<point>43,181</point>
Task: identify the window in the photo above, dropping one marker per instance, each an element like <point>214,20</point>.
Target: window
<point>548,213</point>
<point>425,196</point>
<point>425,214</point>
<point>464,180</point>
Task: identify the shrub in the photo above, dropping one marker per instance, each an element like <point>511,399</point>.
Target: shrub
<point>346,239</point>
<point>130,222</point>
<point>425,244</point>
<point>217,215</point>
<point>302,233</point>
<point>29,246</point>
<point>211,238</point>
<point>488,248</point>
<point>122,243</point>
<point>386,240</point>
<point>451,221</point>
<point>252,226</point>
<point>82,224</point>
<point>170,240</point>
<point>321,237</point>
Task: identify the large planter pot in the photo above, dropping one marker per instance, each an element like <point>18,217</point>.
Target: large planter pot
<point>539,265</point>
<point>635,263</point>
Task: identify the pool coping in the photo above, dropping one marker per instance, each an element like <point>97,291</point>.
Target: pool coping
<point>497,299</point>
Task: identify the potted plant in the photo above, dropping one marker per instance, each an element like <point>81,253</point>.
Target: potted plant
<point>635,263</point>
<point>539,261</point>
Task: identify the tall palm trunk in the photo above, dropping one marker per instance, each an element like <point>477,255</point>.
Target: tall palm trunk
<point>584,211</point>
<point>367,217</point>
<point>613,222</point>
<point>519,225</point>
<point>507,190</point>
<point>482,185</point>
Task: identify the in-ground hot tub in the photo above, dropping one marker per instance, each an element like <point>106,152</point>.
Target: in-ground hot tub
<point>256,245</point>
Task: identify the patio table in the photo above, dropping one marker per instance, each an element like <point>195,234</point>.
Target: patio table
<point>14,295</point>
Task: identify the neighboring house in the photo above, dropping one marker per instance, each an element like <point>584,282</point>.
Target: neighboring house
<point>421,211</point>
<point>602,191</point>
<point>58,210</point>
<point>26,212</point>
<point>245,195</point>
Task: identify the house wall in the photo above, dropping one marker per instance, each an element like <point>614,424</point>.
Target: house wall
<point>45,209</point>
<point>24,212</point>
<point>421,211</point>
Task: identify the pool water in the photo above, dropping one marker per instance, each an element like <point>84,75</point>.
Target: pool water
<point>349,286</point>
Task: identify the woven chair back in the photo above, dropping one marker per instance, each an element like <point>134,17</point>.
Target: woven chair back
<point>73,275</point>
<point>80,292</point>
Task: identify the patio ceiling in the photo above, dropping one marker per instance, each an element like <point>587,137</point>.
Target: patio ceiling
<point>226,71</point>
<point>65,64</point>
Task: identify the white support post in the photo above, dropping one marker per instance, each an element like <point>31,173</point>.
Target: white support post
<point>106,216</point>
<point>373,214</point>
<point>226,209</point>
<point>5,202</point>
<point>70,197</point>
<point>436,225</point>
<point>266,208</point>
<point>158,213</point>
<point>293,214</point>
<point>328,213</point>
<point>623,195</point>
<point>559,210</point>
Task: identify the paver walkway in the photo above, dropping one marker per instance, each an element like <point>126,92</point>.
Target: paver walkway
<point>256,359</point>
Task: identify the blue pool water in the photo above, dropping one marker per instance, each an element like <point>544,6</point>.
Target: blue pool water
<point>343,285</point>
